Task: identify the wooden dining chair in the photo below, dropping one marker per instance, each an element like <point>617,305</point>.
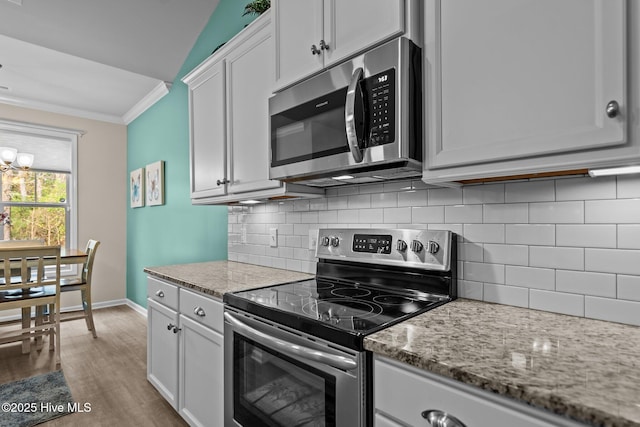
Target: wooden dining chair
<point>82,283</point>
<point>29,289</point>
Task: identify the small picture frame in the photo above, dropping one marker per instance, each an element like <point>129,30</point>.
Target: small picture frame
<point>155,183</point>
<point>136,188</point>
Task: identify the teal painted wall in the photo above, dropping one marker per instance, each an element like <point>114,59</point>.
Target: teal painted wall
<point>176,232</point>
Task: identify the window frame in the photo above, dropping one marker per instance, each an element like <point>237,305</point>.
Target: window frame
<point>71,219</point>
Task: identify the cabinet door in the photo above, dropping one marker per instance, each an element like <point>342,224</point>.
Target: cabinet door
<point>201,374</point>
<point>297,26</point>
<point>513,79</point>
<point>355,25</point>
<point>208,136</point>
<point>249,81</point>
<point>162,351</point>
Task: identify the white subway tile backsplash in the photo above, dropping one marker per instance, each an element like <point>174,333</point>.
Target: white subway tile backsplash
<point>555,257</point>
<point>586,283</point>
<point>483,193</point>
<point>569,245</point>
<point>628,186</point>
<point>530,277</point>
<point>613,310</point>
<point>556,212</point>
<point>469,289</point>
<point>619,261</point>
<point>581,235</point>
<point>396,215</point>
<point>444,196</point>
<point>511,213</point>
<point>506,254</point>
<point>463,214</point>
<point>586,188</point>
<point>629,287</point>
<point>412,198</point>
<point>483,272</point>
<point>427,214</point>
<point>629,236</point>
<point>557,302</point>
<point>384,200</point>
<point>487,233</point>
<point>612,211</point>
<point>509,295</point>
<point>531,234</point>
<point>530,191</point>
<point>359,201</point>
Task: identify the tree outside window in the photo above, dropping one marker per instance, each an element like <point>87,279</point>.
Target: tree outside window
<point>37,204</point>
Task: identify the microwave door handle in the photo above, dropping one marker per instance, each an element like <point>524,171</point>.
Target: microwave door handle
<point>290,349</point>
<point>349,115</point>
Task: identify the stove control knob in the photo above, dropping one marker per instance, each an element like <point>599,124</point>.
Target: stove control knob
<point>433,247</point>
<point>401,245</point>
<point>325,241</point>
<point>335,241</point>
<point>416,246</point>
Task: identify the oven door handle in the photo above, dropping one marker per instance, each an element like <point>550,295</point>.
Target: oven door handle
<point>349,115</point>
<point>291,349</point>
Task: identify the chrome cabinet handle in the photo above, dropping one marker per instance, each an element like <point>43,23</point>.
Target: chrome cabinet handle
<point>613,108</point>
<point>349,115</point>
<point>323,45</point>
<point>223,181</point>
<point>315,50</point>
<point>437,418</point>
<point>199,311</point>
<point>291,349</point>
<point>160,294</point>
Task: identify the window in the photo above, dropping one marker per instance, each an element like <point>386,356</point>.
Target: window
<point>40,201</point>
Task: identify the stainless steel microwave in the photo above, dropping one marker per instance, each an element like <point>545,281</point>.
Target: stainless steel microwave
<point>360,121</point>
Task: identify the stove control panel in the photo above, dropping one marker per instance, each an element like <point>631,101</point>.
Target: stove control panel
<point>428,249</point>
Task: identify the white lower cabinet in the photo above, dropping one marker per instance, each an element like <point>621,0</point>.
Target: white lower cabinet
<point>402,394</point>
<point>185,352</point>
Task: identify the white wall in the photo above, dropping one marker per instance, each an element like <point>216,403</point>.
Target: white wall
<point>102,195</point>
<point>567,245</point>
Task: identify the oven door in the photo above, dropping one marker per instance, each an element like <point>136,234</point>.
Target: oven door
<point>279,379</point>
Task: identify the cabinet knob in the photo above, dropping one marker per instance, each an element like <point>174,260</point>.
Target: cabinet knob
<point>323,45</point>
<point>315,50</point>
<point>437,418</point>
<point>170,326</point>
<point>613,108</point>
<point>176,329</point>
<point>199,311</point>
<point>222,181</point>
<point>160,294</point>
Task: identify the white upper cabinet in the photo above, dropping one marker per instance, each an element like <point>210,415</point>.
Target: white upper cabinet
<point>229,122</point>
<point>313,34</point>
<point>523,86</point>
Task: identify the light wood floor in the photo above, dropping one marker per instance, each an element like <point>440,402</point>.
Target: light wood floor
<point>109,372</point>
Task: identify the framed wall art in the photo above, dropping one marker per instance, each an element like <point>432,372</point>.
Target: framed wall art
<point>136,188</point>
<point>155,183</point>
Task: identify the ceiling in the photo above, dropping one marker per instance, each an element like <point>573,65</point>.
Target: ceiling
<point>105,60</point>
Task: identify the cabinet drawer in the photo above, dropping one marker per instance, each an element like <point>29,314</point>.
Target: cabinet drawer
<point>204,310</point>
<point>404,392</point>
<point>162,292</point>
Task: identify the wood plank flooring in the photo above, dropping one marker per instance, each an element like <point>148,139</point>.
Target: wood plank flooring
<point>109,372</point>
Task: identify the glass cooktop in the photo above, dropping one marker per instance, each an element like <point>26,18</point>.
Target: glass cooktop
<point>335,310</point>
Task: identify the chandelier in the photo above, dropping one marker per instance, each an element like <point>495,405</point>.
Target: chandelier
<point>11,159</point>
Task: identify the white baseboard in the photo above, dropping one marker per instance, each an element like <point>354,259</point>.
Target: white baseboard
<point>96,306</point>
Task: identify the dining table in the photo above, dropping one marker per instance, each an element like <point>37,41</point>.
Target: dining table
<point>68,256</point>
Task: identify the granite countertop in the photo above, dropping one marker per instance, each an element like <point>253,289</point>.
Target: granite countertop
<point>219,277</point>
<point>585,369</point>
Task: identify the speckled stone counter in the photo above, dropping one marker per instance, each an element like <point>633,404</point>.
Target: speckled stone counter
<point>586,369</point>
<point>219,277</point>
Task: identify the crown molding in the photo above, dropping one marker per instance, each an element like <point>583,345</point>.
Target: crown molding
<point>53,108</point>
<point>145,103</point>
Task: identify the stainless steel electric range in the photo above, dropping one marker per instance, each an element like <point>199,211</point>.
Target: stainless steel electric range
<point>294,352</point>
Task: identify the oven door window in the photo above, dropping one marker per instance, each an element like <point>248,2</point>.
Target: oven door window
<point>309,131</point>
<point>271,389</point>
